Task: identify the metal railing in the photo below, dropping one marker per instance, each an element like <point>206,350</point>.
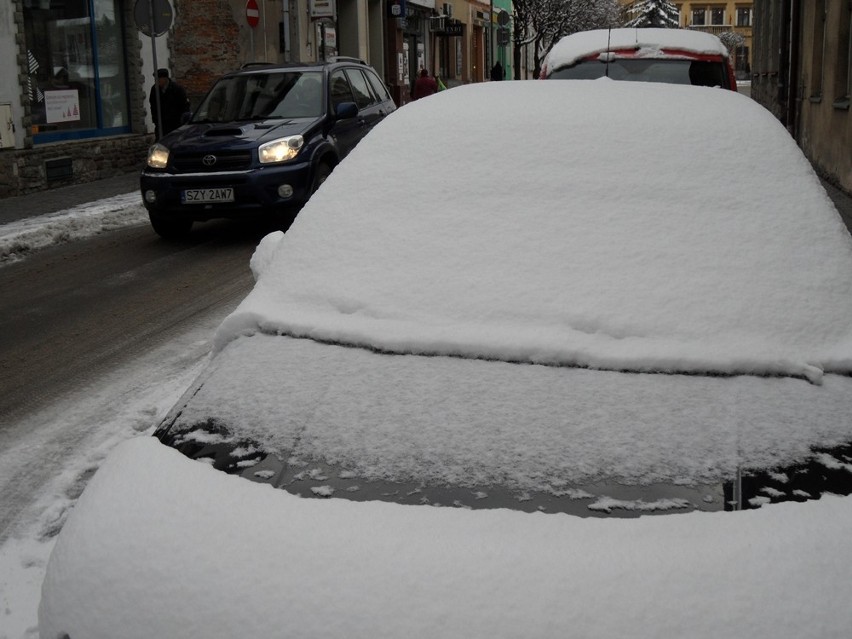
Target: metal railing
<point>718,29</point>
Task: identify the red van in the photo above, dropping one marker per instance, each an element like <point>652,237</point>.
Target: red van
<point>675,56</point>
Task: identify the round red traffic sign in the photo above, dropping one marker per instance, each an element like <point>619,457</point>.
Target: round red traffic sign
<point>252,13</point>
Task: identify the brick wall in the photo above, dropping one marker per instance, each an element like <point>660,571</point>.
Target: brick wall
<point>204,43</point>
<point>23,171</point>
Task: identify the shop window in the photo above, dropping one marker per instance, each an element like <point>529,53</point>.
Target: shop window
<point>76,71</point>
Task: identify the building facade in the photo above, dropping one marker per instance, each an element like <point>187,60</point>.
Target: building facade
<point>74,96</point>
<point>72,101</point>
<point>803,73</point>
<point>723,19</point>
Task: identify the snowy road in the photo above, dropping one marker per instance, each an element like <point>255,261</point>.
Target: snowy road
<point>103,327</point>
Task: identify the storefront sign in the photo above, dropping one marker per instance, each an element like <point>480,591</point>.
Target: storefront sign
<point>62,106</point>
<point>397,8</point>
<point>322,9</point>
<point>452,28</point>
<point>331,37</point>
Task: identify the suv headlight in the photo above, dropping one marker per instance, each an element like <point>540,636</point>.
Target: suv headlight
<point>281,150</point>
<point>158,156</point>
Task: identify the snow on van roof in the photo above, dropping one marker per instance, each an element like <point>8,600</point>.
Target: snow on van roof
<point>576,46</point>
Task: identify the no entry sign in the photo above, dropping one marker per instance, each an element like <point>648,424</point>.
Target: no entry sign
<point>252,13</point>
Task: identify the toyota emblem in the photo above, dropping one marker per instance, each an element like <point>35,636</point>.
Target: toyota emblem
<point>208,160</point>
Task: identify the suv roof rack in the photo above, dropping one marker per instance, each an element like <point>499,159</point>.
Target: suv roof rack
<point>249,65</point>
<point>345,58</point>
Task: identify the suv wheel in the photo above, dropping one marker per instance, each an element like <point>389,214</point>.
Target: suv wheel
<point>320,176</point>
<point>170,228</point>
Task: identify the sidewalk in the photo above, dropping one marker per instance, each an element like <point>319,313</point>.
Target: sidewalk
<point>842,201</point>
<point>52,200</point>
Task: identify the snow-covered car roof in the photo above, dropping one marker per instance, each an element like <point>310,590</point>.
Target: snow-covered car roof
<point>642,228</point>
<point>648,42</point>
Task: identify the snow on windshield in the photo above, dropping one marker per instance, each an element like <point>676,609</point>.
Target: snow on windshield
<point>648,42</point>
<point>609,225</point>
<point>461,422</point>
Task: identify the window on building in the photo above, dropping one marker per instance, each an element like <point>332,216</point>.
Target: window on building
<point>76,73</point>
<point>699,17</point>
<point>744,16</point>
<point>717,16</point>
<point>818,53</point>
<point>843,70</point>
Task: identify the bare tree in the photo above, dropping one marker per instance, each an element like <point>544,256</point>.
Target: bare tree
<point>541,23</point>
<point>733,42</point>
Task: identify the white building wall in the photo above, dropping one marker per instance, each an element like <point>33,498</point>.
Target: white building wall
<point>10,88</point>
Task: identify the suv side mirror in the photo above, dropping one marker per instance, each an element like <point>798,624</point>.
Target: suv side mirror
<point>346,110</point>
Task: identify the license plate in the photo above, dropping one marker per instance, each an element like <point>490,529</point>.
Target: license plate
<point>205,196</point>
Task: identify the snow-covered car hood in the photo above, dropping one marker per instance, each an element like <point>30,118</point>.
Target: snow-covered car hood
<point>688,234</point>
<point>214,556</point>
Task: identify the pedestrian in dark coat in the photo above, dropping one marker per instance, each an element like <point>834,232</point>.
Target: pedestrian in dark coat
<point>424,85</point>
<point>173,103</point>
<point>497,71</point>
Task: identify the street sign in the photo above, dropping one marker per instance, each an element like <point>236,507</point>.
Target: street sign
<point>153,12</point>
<point>503,18</point>
<point>252,13</point>
<point>503,37</point>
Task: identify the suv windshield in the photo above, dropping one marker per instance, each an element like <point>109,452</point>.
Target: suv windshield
<point>696,72</point>
<point>260,96</point>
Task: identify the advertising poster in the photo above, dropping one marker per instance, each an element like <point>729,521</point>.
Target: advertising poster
<point>62,106</point>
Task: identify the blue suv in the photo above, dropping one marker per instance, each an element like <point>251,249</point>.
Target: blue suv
<point>261,142</point>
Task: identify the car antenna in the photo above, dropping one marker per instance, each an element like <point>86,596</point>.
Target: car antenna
<point>608,53</point>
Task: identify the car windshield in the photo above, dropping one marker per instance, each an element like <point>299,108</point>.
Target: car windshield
<point>639,329</point>
<point>695,72</point>
<point>261,96</point>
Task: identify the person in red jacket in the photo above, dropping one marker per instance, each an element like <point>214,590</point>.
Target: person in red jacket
<point>424,85</point>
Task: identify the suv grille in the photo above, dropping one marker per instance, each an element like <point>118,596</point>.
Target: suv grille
<point>225,161</point>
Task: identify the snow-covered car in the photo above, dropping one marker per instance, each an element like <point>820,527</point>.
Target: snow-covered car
<point>586,302</point>
<point>676,56</point>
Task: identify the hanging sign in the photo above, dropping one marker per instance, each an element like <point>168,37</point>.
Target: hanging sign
<point>153,12</point>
